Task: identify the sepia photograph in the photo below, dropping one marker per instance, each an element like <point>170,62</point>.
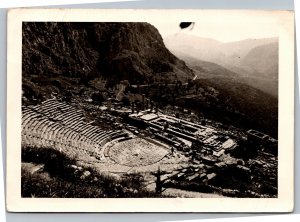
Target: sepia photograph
<point>153,109</point>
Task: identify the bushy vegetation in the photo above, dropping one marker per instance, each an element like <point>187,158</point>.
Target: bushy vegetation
<point>60,177</point>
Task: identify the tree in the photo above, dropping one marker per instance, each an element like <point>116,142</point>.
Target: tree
<point>158,182</point>
<point>126,101</point>
<point>97,97</point>
<point>67,97</point>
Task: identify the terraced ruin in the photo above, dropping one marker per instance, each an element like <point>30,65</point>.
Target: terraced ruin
<point>145,142</point>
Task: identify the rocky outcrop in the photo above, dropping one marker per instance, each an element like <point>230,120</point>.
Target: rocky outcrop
<point>116,51</point>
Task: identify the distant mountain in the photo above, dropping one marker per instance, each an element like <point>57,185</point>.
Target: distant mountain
<point>252,61</point>
<point>200,48</point>
<point>243,47</point>
<point>225,54</point>
<point>115,51</point>
<point>205,69</point>
<point>263,60</point>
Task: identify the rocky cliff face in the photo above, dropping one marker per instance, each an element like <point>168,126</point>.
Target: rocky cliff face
<point>133,51</point>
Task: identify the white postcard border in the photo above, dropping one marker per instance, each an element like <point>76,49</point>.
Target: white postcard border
<point>285,200</point>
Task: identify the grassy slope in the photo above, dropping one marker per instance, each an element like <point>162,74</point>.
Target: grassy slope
<point>60,177</point>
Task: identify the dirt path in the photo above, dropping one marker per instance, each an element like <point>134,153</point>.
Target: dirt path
<point>189,194</point>
<point>173,192</point>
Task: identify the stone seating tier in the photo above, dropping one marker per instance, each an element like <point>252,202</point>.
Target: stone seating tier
<point>70,134</point>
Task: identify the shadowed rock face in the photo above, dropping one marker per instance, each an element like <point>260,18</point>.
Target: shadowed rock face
<point>133,51</point>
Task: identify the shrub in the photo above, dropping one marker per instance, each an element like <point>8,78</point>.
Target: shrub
<point>55,161</point>
<point>62,178</point>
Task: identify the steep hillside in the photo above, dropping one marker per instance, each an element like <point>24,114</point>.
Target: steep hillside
<point>116,51</point>
<point>235,103</point>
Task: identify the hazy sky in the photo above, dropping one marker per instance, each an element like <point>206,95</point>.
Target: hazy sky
<point>226,29</point>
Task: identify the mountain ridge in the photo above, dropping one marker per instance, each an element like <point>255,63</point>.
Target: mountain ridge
<point>252,61</point>
<point>227,54</point>
<point>133,51</point>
